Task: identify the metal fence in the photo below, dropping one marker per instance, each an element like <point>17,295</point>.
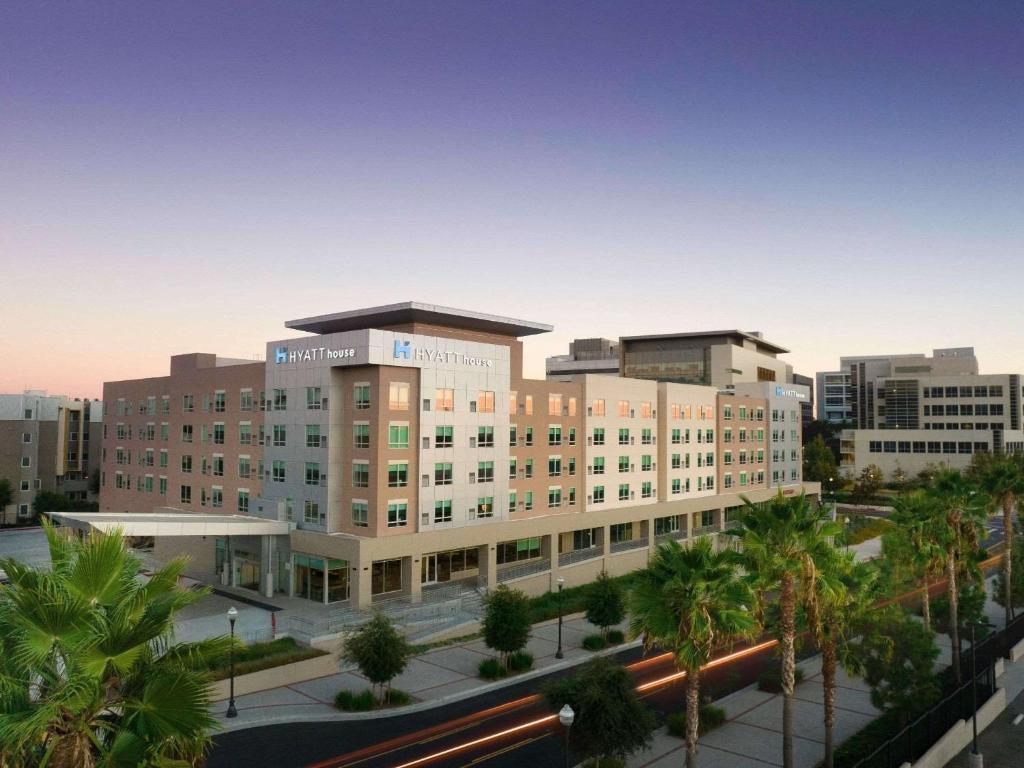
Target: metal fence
<point>918,736</point>
<point>526,569</point>
<point>579,555</point>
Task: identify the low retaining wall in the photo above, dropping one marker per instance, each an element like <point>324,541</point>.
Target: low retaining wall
<point>959,736</point>
<point>265,679</point>
<point>1017,651</point>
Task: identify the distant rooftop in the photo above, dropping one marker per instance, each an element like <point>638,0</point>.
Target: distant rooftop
<point>757,338</point>
<point>415,312</point>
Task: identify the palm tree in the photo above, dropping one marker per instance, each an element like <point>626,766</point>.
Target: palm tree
<point>783,541</point>
<point>838,603</point>
<point>914,515</point>
<point>962,513</point>
<point>690,601</point>
<point>1002,477</point>
<point>89,673</point>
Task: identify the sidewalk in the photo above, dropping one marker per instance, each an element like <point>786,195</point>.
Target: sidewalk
<point>438,676</point>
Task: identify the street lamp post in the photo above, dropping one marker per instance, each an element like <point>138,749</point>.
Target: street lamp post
<point>566,717</point>
<point>232,616</point>
<point>558,653</point>
<point>975,759</point>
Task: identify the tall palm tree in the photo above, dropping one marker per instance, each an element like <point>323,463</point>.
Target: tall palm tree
<point>914,515</point>
<point>1002,477</point>
<point>89,673</point>
<point>958,527</point>
<point>690,601</point>
<point>783,542</point>
<point>839,602</point>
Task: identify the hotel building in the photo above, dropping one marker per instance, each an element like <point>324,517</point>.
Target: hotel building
<point>45,446</point>
<point>393,450</point>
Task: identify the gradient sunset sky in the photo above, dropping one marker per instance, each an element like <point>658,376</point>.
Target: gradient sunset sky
<point>186,176</point>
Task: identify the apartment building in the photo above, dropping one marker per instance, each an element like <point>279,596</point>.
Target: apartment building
<point>936,421</point>
<point>398,449</point>
<point>45,446</point>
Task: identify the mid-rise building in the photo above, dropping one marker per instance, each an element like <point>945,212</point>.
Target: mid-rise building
<point>806,406</point>
<point>45,446</point>
<point>834,396</point>
<point>585,356</point>
<point>394,450</point>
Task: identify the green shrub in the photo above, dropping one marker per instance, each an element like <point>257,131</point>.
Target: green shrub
<point>710,717</point>
<point>771,679</point>
<point>396,698</point>
<point>491,669</point>
<point>616,636</point>
<point>573,600</point>
<point>257,656</point>
<point>594,642</point>
<point>520,661</point>
<point>355,702</point>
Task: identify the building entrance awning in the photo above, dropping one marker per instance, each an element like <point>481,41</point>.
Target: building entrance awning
<point>171,522</point>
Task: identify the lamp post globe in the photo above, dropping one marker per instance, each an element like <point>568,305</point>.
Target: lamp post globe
<point>232,616</point>
<point>566,717</point>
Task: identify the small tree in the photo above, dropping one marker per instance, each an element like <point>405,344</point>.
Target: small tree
<point>868,483</point>
<point>6,496</point>
<point>506,621</point>
<point>49,501</point>
<point>820,464</point>
<point>897,657</point>
<point>379,651</point>
<point>610,719</point>
<point>605,603</point>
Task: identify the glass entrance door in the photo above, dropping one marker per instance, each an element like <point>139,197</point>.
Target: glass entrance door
<point>429,569</point>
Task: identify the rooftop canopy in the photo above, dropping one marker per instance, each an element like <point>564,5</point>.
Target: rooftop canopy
<point>170,522</point>
<point>415,312</point>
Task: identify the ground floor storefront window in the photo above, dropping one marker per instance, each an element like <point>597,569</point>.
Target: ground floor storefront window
<point>313,575</point>
<point>438,567</point>
<point>386,576</point>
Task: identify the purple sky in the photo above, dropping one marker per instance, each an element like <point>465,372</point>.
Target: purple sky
<point>176,177</point>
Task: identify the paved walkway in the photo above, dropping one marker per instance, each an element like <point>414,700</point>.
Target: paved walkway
<point>434,677</point>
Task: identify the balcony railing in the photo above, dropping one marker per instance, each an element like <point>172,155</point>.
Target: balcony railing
<point>525,569</point>
<point>625,546</point>
<point>579,556</point>
<point>677,535</point>
<point>704,529</point>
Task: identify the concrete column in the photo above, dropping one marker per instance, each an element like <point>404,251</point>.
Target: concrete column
<point>490,557</point>
<point>411,583</point>
<point>552,544</point>
<point>267,565</point>
<point>689,525</point>
<point>360,587</point>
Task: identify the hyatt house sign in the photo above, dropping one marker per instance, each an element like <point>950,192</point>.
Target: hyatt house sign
<point>403,350</point>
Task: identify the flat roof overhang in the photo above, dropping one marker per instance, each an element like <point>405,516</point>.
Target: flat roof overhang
<point>173,523</point>
<point>415,312</point>
<point>759,341</point>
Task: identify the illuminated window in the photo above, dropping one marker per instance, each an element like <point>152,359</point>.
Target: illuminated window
<point>398,396</point>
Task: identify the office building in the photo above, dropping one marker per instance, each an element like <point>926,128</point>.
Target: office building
<point>391,451</point>
<point>585,356</point>
<point>806,406</point>
<point>45,446</point>
<point>834,397</point>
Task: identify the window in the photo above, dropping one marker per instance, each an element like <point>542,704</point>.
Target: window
<point>677,436</point>
<point>623,463</point>
<point>313,437</point>
<point>361,435</point>
<point>188,403</point>
<point>311,512</point>
<point>554,497</point>
<point>361,396</point>
<point>528,471</point>
<point>245,433</point>
<point>485,402</point>
<point>528,504</point>
<point>442,511</point>
<point>514,551</point>
<point>528,405</point>
<point>623,408</point>
<point>646,437</point>
<point>443,437</point>
<point>620,532</point>
<point>554,435</point>
<point>554,405</point>
<point>555,466</point>
<point>529,436</point>
<point>646,490</point>
<point>218,465</point>
<point>485,472</point>
<point>727,412</point>
<point>312,473</point>
<point>598,494</point>
<point>444,400</point>
<point>677,485</point>
<point>511,501</point>
<point>646,463</point>
<point>218,433</point>
<point>165,431</point>
<point>599,436</point>
<point>597,407</point>
<point>398,513</point>
<point>485,437</point>
<point>511,403</point>
<point>243,502</point>
<point>360,474</point>
<point>163,458</point>
<point>244,466</point>
<point>186,494</point>
<point>443,473</point>
<point>26,437</point>
<point>485,506</point>
<point>280,435</point>
<point>360,514</point>
<point>598,468</point>
<point>280,399</point>
<point>398,396</point>
<point>623,437</point>
<point>512,430</point>
<point>398,436</point>
<point>220,400</point>
<point>624,492</point>
<point>313,398</point>
<point>398,474</point>
<point>186,433</point>
<point>277,471</point>
<point>186,463</point>
<point>645,410</point>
